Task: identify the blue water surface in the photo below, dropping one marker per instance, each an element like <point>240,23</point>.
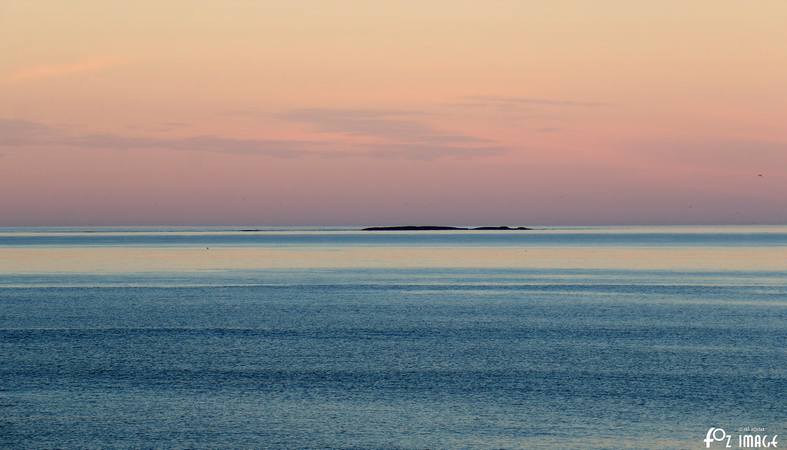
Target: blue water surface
<point>391,358</point>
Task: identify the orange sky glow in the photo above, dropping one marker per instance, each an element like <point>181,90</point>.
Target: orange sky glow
<point>340,112</point>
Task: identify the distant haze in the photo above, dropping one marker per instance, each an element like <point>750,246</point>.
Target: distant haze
<point>342,112</point>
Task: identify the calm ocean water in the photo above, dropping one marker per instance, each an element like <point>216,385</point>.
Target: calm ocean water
<point>332,338</point>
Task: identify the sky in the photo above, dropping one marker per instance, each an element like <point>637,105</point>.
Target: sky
<point>340,112</point>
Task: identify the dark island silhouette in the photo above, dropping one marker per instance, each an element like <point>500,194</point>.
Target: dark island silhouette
<point>440,228</point>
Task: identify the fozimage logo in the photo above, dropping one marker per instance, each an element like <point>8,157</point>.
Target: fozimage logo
<point>748,437</point>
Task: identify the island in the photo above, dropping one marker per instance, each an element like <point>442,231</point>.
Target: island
<point>442,228</point>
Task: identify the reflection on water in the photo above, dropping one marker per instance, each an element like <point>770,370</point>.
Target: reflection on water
<point>146,259</point>
<point>574,339</point>
<point>145,249</point>
<point>572,237</point>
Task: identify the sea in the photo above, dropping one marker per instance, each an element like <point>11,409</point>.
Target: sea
<point>332,337</point>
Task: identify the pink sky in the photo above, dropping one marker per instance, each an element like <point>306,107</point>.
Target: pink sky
<point>357,112</point>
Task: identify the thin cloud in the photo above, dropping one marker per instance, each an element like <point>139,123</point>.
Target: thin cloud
<point>512,101</point>
<point>204,143</point>
<point>396,133</point>
<point>44,71</point>
<point>20,133</point>
<point>23,132</point>
<point>430,152</point>
<point>162,127</point>
<point>400,126</point>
